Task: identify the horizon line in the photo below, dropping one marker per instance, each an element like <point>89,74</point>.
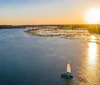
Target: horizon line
<point>42,24</point>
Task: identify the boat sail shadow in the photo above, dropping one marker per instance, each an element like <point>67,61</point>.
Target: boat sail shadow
<point>68,82</point>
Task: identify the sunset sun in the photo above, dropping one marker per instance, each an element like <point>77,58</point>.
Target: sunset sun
<point>92,16</point>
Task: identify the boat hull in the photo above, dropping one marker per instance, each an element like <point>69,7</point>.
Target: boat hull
<point>67,75</point>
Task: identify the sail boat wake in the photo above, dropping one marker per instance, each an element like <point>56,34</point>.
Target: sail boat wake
<point>68,74</point>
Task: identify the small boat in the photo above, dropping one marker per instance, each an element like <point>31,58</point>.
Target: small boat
<point>68,74</point>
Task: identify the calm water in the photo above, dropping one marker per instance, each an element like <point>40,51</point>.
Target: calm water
<point>32,60</point>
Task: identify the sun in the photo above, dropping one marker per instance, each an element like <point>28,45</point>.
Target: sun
<point>93,16</point>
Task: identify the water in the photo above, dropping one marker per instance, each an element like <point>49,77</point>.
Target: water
<point>33,60</point>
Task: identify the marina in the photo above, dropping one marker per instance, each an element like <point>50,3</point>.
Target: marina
<point>78,33</point>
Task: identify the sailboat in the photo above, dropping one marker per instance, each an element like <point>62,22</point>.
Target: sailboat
<point>68,74</point>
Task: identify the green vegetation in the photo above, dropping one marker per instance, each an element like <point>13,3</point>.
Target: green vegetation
<point>93,28</point>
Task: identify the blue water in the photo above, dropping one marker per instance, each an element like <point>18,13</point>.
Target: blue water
<point>33,60</point>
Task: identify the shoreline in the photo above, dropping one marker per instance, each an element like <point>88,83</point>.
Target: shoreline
<point>58,32</point>
<point>67,34</point>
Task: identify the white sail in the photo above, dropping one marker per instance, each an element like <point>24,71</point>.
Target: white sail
<point>68,68</point>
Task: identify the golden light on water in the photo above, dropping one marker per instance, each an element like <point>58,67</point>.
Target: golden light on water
<point>92,16</point>
<point>89,70</point>
<point>92,52</point>
<point>93,37</point>
<point>92,69</point>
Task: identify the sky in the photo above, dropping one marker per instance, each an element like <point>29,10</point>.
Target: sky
<point>22,12</point>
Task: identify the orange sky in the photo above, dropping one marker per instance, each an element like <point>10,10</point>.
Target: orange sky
<point>48,12</point>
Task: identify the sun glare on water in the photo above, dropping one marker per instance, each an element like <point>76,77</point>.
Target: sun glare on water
<point>93,37</point>
<point>93,16</point>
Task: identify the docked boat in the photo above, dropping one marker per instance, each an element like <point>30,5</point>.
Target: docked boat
<point>68,74</point>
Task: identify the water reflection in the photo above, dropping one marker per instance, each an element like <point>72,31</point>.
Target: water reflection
<point>68,82</point>
<point>91,64</point>
<point>92,52</point>
<point>88,70</point>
